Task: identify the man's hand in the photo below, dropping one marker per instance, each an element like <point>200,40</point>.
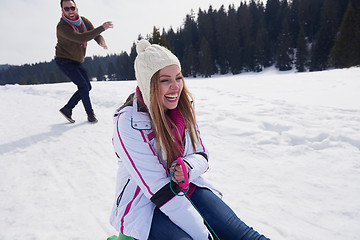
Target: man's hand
<point>107,25</point>
<point>103,44</point>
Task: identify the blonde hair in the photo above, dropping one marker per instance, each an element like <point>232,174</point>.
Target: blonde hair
<point>163,133</point>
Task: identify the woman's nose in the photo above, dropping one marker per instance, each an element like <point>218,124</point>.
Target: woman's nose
<point>174,85</point>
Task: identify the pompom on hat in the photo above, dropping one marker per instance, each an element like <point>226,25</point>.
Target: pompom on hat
<point>150,59</point>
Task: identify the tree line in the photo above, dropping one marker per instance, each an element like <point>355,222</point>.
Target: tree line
<point>308,35</point>
<point>112,67</point>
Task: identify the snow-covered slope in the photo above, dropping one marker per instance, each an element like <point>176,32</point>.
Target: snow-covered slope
<point>284,149</point>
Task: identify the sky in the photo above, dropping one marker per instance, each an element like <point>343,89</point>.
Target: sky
<point>284,149</point>
<point>29,35</point>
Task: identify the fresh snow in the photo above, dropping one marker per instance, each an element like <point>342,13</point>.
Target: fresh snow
<point>284,150</point>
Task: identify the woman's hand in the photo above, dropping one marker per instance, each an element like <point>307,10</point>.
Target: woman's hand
<point>178,172</point>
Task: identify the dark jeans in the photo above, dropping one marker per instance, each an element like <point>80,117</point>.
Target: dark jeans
<point>221,218</point>
<point>78,75</point>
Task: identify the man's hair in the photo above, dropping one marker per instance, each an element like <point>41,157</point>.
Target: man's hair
<point>61,2</point>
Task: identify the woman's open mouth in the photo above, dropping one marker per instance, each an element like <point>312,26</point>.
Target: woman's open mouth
<point>171,97</point>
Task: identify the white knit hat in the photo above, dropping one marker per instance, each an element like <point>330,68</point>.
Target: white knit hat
<point>150,59</point>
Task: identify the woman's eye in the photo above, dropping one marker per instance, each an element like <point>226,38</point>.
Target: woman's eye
<point>179,78</point>
<point>163,80</point>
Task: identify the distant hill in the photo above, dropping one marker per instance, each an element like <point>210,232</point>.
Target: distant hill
<point>4,66</point>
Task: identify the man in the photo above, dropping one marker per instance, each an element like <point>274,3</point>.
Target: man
<point>73,32</point>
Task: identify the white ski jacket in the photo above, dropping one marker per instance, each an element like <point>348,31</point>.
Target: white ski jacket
<point>143,181</point>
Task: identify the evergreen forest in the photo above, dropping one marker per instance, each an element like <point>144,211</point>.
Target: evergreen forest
<point>306,35</point>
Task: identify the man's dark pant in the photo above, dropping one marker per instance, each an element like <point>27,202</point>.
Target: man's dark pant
<point>78,75</point>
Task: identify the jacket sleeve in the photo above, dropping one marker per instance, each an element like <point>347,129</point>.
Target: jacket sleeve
<point>98,38</point>
<point>197,161</point>
<point>152,177</point>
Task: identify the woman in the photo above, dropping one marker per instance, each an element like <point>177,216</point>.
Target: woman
<point>152,130</point>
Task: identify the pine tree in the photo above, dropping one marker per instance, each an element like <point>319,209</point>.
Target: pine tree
<point>122,63</point>
<point>190,62</point>
<point>221,40</point>
<point>284,53</point>
<point>294,23</point>
<point>157,38</point>
<point>246,42</point>
<point>100,74</point>
<point>346,48</point>
<point>190,32</point>
<point>52,78</point>
<point>232,46</point>
<point>207,45</point>
<point>111,71</point>
<point>132,56</point>
<point>205,59</point>
<point>171,39</point>
<point>260,50</point>
<point>190,35</point>
<point>301,53</point>
<point>283,56</point>
<point>320,53</point>
<point>273,23</point>
<point>309,17</point>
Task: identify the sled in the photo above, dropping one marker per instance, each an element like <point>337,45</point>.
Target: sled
<point>120,237</point>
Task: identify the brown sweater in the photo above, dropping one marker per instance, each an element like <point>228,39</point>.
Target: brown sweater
<point>69,41</point>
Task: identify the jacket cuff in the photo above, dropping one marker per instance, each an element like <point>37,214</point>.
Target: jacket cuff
<point>165,194</point>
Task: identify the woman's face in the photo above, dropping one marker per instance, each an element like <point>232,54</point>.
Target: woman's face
<point>170,86</point>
